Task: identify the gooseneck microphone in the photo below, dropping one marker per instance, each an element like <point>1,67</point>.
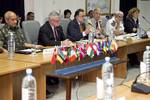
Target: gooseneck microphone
<point>146,20</point>
<point>140,87</point>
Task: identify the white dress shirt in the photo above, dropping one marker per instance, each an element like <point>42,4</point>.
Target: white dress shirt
<point>111,27</point>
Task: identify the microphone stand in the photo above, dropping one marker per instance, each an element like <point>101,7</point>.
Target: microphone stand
<point>146,20</point>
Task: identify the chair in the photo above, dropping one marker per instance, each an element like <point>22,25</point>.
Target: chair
<point>1,25</point>
<point>64,23</point>
<point>31,30</point>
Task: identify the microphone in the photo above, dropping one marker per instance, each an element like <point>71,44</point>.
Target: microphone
<point>139,87</point>
<point>90,24</point>
<point>146,20</point>
<point>94,29</point>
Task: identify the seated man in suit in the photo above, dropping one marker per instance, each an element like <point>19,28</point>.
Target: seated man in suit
<point>96,24</point>
<point>51,33</point>
<point>132,21</point>
<point>114,26</point>
<point>11,26</point>
<point>76,28</point>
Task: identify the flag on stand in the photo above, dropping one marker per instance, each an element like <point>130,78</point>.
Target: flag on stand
<point>104,47</point>
<point>59,59</point>
<point>114,46</point>
<point>53,59</point>
<point>89,50</point>
<point>95,49</point>
<point>72,54</point>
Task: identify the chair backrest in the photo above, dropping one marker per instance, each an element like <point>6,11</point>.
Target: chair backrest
<point>1,25</point>
<point>31,31</point>
<point>64,23</point>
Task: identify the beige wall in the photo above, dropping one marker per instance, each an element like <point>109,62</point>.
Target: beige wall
<point>144,6</point>
<point>43,7</point>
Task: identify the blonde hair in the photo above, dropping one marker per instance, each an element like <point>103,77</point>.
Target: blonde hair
<point>131,11</point>
<point>97,9</point>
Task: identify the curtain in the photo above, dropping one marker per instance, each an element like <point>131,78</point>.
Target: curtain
<point>14,5</point>
<point>126,5</point>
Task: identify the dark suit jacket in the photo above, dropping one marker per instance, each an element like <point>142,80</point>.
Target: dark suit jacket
<point>73,31</point>
<point>46,37</point>
<point>130,24</point>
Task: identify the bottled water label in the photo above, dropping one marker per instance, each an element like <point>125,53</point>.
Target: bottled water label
<point>25,95</point>
<point>29,86</point>
<point>11,46</point>
<point>28,94</point>
<point>108,79</point>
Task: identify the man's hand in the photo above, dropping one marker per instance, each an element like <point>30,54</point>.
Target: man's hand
<point>39,47</point>
<point>87,31</point>
<point>134,29</point>
<point>117,32</point>
<point>66,42</point>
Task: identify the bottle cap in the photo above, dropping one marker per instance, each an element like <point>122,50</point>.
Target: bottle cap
<point>107,59</point>
<point>28,71</point>
<point>147,47</point>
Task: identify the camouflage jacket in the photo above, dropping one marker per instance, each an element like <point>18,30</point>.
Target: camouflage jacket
<point>18,37</point>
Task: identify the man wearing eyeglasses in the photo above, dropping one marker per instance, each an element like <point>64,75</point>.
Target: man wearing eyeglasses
<point>114,26</point>
<point>51,33</point>
<point>76,28</point>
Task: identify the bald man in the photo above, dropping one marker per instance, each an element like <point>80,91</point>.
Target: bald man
<point>11,26</point>
<point>115,26</point>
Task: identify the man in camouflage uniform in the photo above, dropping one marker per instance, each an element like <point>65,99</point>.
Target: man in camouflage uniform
<point>11,27</point>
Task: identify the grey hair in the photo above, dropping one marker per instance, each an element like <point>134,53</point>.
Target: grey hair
<point>119,13</point>
<point>53,14</point>
<point>9,14</point>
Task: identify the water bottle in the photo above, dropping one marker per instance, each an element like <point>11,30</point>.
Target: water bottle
<point>140,32</point>
<point>108,79</point>
<point>11,45</point>
<point>91,37</point>
<point>146,60</point>
<point>29,86</point>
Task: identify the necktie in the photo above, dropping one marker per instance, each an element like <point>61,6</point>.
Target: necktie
<point>55,34</point>
<point>81,28</point>
<point>96,25</point>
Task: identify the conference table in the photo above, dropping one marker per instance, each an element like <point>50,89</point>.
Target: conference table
<point>123,92</point>
<point>9,73</point>
<point>13,71</point>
